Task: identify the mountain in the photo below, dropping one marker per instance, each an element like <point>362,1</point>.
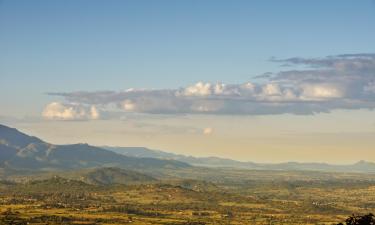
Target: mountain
<point>6,152</point>
<point>20,151</point>
<point>361,166</point>
<point>12,137</point>
<point>196,161</point>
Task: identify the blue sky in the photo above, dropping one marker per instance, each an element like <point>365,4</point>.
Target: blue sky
<point>159,44</point>
<point>75,45</point>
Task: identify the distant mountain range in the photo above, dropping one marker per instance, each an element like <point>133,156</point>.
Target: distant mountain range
<point>20,151</point>
<point>361,166</point>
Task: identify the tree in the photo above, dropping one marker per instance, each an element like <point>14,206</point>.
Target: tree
<point>368,219</point>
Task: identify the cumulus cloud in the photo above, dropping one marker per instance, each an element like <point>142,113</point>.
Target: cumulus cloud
<point>199,89</point>
<point>63,111</point>
<point>324,84</point>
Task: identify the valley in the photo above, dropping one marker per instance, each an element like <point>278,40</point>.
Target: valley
<point>42,183</point>
<point>68,199</point>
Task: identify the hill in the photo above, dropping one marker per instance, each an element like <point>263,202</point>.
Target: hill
<point>112,175</point>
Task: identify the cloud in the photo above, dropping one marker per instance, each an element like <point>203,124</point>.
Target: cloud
<point>62,111</point>
<point>322,85</point>
<point>199,89</point>
<point>128,105</point>
<point>94,113</point>
<point>320,91</point>
<point>208,131</point>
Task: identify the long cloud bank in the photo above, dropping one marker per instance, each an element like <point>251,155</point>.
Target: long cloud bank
<point>324,84</point>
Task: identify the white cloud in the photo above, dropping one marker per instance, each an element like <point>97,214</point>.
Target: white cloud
<point>60,111</point>
<point>271,89</point>
<point>199,89</point>
<point>219,88</point>
<point>128,105</point>
<point>334,82</point>
<point>320,91</point>
<point>248,86</point>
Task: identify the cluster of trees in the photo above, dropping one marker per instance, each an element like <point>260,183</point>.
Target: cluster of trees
<point>368,219</point>
<point>14,217</point>
<point>131,209</point>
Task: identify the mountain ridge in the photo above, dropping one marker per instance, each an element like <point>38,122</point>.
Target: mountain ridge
<point>21,151</point>
<point>360,166</point>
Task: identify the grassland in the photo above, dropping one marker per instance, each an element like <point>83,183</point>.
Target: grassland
<point>221,196</point>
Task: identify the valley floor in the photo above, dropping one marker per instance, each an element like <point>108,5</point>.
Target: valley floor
<point>59,200</point>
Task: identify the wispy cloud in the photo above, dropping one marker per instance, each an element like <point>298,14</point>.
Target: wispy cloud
<point>333,82</point>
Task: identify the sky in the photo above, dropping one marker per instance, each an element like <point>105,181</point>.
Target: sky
<point>263,81</point>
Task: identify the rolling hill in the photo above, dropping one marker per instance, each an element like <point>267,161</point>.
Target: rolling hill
<point>113,175</point>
